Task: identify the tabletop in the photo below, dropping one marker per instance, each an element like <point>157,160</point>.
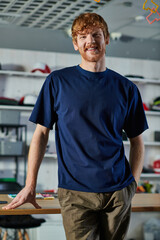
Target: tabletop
<point>142,202</point>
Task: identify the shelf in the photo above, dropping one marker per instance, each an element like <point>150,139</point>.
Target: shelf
<point>16,107</point>
<point>12,155</point>
<point>152,113</point>
<point>42,75</point>
<point>154,144</point>
<point>30,108</point>
<point>144,81</point>
<point>150,175</point>
<point>50,155</point>
<point>23,74</point>
<point>13,125</point>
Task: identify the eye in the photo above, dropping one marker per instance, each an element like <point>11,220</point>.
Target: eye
<point>82,37</point>
<point>97,35</point>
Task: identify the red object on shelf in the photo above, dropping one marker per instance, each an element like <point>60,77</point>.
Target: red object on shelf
<point>156,166</point>
<point>145,107</point>
<point>50,191</point>
<point>42,67</point>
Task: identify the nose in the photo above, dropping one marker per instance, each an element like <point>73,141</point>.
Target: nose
<point>90,39</point>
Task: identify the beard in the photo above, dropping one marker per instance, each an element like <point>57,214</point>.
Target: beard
<point>93,56</point>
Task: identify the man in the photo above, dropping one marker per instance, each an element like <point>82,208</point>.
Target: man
<point>90,105</point>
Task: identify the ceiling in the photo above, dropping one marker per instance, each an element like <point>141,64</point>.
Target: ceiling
<point>51,14</point>
<point>37,19</point>
<point>129,18</point>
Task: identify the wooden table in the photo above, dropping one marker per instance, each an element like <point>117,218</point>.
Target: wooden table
<point>146,202</point>
<point>141,203</point>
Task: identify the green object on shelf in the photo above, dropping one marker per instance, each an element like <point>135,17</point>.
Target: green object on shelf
<point>148,187</point>
<point>7,180</point>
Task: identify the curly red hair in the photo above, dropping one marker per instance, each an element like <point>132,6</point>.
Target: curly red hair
<point>88,21</point>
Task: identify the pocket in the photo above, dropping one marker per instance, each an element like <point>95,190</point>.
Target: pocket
<point>132,188</point>
<point>136,185</point>
<point>64,196</point>
<point>125,195</point>
<point>61,194</point>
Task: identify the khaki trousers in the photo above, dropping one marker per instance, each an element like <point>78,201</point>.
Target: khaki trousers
<point>96,216</point>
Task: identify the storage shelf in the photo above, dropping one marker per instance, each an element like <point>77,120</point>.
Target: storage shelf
<point>12,125</point>
<point>12,156</point>
<point>23,74</point>
<point>150,175</point>
<point>154,144</point>
<point>30,108</point>
<point>144,81</point>
<point>42,75</point>
<point>50,155</point>
<point>152,113</point>
<point>15,107</point>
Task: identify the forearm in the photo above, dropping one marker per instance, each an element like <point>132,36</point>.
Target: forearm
<point>136,158</point>
<point>36,154</point>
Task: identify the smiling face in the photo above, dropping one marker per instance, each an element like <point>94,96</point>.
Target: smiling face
<point>91,44</point>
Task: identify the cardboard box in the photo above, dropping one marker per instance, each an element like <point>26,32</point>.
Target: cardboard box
<point>11,148</point>
<point>9,117</point>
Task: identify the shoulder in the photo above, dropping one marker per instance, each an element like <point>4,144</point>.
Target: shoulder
<point>117,76</point>
<point>59,77</point>
<point>122,80</point>
<point>62,72</point>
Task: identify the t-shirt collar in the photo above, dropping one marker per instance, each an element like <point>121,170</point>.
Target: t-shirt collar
<point>92,74</point>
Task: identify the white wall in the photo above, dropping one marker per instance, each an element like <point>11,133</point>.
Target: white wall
<point>26,58</point>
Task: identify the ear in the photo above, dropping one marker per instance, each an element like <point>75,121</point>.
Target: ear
<point>107,40</point>
<point>75,46</point>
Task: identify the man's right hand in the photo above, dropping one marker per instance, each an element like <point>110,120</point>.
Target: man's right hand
<point>26,195</point>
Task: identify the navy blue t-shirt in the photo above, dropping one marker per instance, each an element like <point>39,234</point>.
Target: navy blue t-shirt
<point>90,109</point>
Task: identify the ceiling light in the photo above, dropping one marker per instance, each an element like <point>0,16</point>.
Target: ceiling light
<point>68,32</point>
<point>116,35</point>
<point>139,18</point>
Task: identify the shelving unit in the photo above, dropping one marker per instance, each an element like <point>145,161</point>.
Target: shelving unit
<point>8,151</point>
<point>21,81</point>
<point>154,176</point>
<point>27,109</point>
<point>149,89</point>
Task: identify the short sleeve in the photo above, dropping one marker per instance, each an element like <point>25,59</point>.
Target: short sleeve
<point>43,112</point>
<point>135,121</point>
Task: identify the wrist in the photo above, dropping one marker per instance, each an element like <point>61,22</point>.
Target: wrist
<point>31,185</point>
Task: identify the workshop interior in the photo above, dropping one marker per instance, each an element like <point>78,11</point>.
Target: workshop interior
<point>35,39</point>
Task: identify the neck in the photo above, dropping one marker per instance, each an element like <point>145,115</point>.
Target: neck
<point>99,66</point>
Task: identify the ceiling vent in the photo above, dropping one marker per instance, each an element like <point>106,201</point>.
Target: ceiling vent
<point>51,14</point>
<point>8,18</point>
